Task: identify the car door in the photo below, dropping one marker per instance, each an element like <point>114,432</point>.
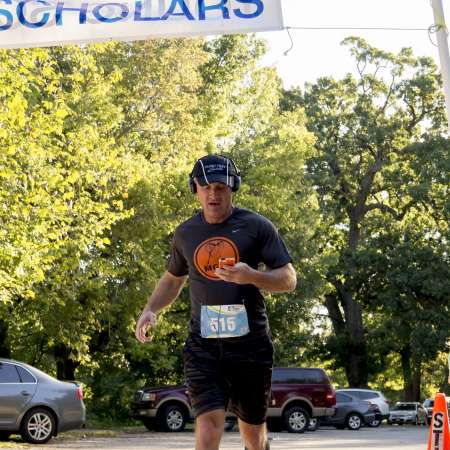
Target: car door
<point>14,394</point>
<point>343,406</point>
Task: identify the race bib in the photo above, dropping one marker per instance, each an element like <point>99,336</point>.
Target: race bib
<point>223,321</point>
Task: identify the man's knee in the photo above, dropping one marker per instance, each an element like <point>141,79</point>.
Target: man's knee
<point>209,429</point>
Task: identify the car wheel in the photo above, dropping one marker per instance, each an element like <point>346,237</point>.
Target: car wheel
<point>296,419</point>
<point>353,421</point>
<point>313,424</point>
<point>173,418</point>
<point>375,423</point>
<point>38,426</point>
<point>4,435</point>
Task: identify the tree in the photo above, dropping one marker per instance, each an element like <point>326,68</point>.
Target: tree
<point>65,188</point>
<point>364,128</point>
<point>410,291</point>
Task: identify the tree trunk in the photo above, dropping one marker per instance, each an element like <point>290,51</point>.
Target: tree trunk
<point>5,351</point>
<point>357,373</point>
<point>408,390</point>
<point>417,380</point>
<point>65,366</point>
<point>348,328</point>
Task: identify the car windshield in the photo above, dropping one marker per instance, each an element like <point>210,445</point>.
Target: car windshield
<point>404,407</point>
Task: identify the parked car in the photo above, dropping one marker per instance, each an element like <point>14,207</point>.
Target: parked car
<point>428,404</point>
<point>408,412</point>
<point>35,404</point>
<point>374,397</point>
<point>351,412</point>
<point>297,395</point>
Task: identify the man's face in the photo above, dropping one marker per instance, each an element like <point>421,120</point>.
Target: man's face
<point>216,201</point>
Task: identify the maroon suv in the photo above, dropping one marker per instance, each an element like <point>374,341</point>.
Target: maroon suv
<point>298,394</point>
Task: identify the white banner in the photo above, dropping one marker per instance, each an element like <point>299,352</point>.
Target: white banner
<point>32,23</point>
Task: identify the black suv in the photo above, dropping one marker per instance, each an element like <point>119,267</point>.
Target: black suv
<point>298,394</point>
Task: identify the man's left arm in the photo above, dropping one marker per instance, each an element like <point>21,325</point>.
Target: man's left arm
<point>281,279</point>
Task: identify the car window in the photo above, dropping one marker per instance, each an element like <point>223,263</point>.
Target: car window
<point>356,393</point>
<point>25,376</point>
<point>342,398</point>
<point>367,395</point>
<point>404,407</point>
<point>299,376</point>
<point>280,376</point>
<point>314,376</point>
<point>8,373</point>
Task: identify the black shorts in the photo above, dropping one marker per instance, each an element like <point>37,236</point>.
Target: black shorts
<point>234,373</point>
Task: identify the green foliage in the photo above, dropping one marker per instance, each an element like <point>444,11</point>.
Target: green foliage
<point>381,175</point>
<point>97,145</point>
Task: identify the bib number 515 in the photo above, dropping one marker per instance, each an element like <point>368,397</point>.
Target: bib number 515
<point>223,324</point>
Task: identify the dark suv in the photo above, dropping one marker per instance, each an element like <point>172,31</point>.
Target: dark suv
<point>298,394</point>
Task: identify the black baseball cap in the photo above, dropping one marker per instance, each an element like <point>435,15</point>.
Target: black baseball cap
<point>215,169</point>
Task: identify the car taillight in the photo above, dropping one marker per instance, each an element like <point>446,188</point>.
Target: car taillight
<point>79,393</point>
<point>331,398</point>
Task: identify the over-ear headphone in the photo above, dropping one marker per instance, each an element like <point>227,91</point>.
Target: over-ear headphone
<point>233,179</point>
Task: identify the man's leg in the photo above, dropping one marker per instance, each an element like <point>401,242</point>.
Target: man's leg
<point>209,430</point>
<point>254,436</point>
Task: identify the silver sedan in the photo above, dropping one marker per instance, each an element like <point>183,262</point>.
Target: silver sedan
<point>35,404</point>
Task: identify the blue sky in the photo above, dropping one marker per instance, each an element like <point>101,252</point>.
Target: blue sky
<point>318,53</point>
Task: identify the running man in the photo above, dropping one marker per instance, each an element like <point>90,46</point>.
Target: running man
<point>228,355</point>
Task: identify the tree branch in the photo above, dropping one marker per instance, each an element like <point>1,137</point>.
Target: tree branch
<point>387,209</point>
<point>388,96</point>
<point>366,184</point>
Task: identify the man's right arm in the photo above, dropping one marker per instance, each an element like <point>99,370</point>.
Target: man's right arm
<point>166,291</point>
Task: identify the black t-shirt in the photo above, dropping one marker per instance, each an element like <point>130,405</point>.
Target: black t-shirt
<point>197,247</point>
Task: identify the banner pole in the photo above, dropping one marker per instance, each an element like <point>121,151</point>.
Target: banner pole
<point>442,39</point>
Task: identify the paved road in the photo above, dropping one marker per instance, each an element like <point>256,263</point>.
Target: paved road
<point>383,438</point>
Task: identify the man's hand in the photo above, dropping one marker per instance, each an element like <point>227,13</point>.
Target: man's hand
<point>145,322</point>
<point>239,273</point>
<point>281,279</point>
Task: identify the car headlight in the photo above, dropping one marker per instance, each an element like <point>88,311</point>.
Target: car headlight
<point>148,397</point>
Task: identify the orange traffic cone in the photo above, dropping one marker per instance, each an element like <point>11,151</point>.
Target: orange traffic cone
<point>439,430</point>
